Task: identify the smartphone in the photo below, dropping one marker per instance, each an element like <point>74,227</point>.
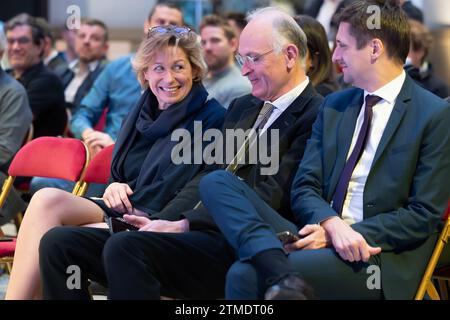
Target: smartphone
<point>287,237</point>
<point>119,224</point>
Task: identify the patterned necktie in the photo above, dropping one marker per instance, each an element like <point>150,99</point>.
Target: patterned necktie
<point>264,115</point>
<point>344,179</point>
<point>261,121</point>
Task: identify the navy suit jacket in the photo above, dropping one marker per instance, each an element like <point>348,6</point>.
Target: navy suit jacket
<point>406,190</point>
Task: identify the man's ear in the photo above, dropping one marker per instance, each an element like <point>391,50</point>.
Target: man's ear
<point>377,48</point>
<point>234,44</point>
<point>291,55</point>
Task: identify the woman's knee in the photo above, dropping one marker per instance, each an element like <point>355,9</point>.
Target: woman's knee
<point>49,197</point>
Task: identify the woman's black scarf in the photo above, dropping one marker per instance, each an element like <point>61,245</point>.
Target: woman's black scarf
<point>140,120</point>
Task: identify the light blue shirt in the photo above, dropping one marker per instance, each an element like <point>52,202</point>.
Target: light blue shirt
<point>117,89</point>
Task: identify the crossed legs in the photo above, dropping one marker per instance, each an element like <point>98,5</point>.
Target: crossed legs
<point>48,208</point>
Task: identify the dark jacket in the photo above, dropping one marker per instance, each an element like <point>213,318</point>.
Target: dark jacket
<point>428,80</point>
<point>46,97</point>
<point>294,126</point>
<point>406,190</point>
<point>67,76</point>
<point>159,177</point>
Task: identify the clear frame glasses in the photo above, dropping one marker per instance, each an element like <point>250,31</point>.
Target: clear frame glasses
<point>250,60</point>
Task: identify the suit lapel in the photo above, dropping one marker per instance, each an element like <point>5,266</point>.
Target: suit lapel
<point>291,114</point>
<point>345,130</point>
<point>394,120</point>
<point>249,115</point>
<point>284,122</point>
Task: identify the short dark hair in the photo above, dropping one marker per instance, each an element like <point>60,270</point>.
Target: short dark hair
<point>394,29</point>
<point>48,33</point>
<point>238,17</point>
<point>168,4</point>
<point>24,19</point>
<point>98,23</point>
<point>214,20</point>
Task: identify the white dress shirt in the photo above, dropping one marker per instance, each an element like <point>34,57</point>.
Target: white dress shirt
<point>353,210</point>
<point>283,102</point>
<point>80,74</point>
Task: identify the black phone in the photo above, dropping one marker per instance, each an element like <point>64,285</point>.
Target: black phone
<point>119,224</point>
<point>287,237</point>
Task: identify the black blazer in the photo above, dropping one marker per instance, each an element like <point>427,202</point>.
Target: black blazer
<point>67,76</point>
<point>46,97</point>
<point>294,126</point>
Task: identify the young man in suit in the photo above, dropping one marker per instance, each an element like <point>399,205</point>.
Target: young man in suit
<point>370,191</point>
<point>183,254</point>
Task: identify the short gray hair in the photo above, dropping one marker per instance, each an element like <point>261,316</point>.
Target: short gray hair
<point>285,29</point>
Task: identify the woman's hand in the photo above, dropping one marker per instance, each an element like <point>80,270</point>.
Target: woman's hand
<point>116,197</point>
<point>145,224</point>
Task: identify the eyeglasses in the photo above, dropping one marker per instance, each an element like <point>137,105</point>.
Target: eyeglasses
<point>21,40</point>
<point>175,30</point>
<point>250,60</point>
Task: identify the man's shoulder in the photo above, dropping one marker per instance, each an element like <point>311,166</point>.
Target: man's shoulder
<point>9,84</point>
<point>245,101</point>
<point>344,94</point>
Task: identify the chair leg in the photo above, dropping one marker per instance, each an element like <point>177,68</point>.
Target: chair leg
<point>432,292</point>
<point>443,289</point>
<point>18,220</point>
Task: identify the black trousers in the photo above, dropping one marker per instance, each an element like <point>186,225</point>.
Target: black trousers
<point>134,265</point>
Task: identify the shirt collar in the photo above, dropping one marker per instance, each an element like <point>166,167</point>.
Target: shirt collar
<point>50,57</point>
<point>286,100</point>
<point>75,65</point>
<point>390,90</point>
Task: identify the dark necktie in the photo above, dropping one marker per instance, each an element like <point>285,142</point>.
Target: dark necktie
<point>344,179</point>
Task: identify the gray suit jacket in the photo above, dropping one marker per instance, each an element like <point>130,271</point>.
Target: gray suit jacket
<point>15,118</point>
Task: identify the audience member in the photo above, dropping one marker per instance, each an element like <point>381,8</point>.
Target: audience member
<point>91,47</point>
<point>144,265</point>
<point>319,67</point>
<point>417,65</point>
<point>25,40</point>
<point>144,177</point>
<point>237,22</point>
<point>363,203</point>
<point>15,120</point>
<point>224,81</point>
<point>52,59</point>
<point>115,91</point>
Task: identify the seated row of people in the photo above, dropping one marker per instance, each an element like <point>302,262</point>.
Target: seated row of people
<point>334,154</point>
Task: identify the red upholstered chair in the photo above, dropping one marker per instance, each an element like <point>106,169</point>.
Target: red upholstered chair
<point>49,157</point>
<point>442,273</point>
<point>98,170</point>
